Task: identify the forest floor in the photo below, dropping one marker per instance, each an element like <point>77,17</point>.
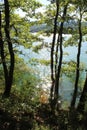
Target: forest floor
<point>40,118</point>
<point>44,119</point>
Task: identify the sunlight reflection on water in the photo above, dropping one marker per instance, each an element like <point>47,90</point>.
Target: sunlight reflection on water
<point>66,86</point>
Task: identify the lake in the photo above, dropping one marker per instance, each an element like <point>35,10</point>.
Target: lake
<point>66,86</point>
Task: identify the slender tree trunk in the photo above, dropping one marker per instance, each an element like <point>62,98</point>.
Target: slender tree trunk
<point>77,66</point>
<point>58,71</point>
<point>52,52</point>
<point>83,98</point>
<point>2,53</point>
<point>8,84</point>
<point>56,55</point>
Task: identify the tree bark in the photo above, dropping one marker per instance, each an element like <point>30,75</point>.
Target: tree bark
<point>52,52</point>
<point>77,66</point>
<point>2,53</point>
<point>58,71</point>
<point>83,98</point>
<point>8,84</point>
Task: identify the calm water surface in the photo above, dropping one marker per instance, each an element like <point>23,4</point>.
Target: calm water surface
<point>66,86</point>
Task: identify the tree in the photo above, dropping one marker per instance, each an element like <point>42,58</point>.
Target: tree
<point>3,61</point>
<point>8,71</point>
<point>14,32</point>
<point>55,63</point>
<point>58,68</point>
<point>83,98</point>
<point>81,8</point>
<point>52,53</point>
<point>60,25</point>
<point>78,63</point>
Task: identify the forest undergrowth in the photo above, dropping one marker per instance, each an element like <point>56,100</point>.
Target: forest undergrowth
<point>19,114</point>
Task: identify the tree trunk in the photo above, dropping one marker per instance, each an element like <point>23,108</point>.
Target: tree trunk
<point>83,98</point>
<point>8,84</point>
<point>52,53</point>
<point>78,65</point>
<point>58,71</point>
<point>2,53</point>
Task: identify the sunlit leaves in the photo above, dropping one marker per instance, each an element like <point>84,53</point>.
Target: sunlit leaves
<point>35,61</point>
<point>69,68</point>
<point>37,48</point>
<point>73,40</point>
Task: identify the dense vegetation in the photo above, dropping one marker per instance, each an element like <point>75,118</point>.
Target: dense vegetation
<point>24,103</point>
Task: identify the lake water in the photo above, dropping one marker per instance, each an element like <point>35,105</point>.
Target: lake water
<point>66,86</point>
